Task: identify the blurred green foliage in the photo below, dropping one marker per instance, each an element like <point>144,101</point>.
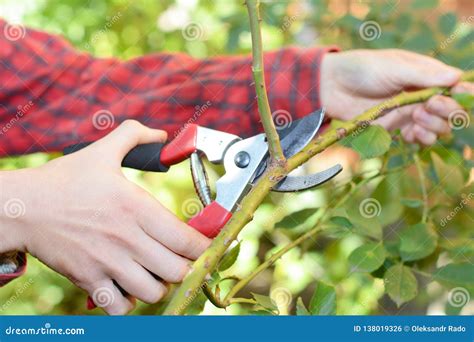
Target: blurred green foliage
<point>359,259</point>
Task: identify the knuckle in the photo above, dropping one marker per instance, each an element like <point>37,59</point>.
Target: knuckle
<point>118,310</point>
<point>178,273</point>
<point>120,235</point>
<point>156,294</point>
<point>131,125</point>
<point>185,243</point>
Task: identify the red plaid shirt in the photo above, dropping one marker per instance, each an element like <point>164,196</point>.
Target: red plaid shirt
<point>52,95</point>
<point>49,92</point>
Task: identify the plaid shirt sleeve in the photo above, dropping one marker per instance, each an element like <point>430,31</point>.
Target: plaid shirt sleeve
<point>52,95</point>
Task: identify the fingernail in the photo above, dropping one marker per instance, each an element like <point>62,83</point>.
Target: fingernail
<point>449,77</point>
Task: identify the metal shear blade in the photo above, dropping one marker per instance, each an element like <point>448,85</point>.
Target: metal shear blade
<point>298,183</point>
<point>297,134</point>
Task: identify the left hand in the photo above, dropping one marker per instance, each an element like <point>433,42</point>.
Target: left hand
<point>354,81</point>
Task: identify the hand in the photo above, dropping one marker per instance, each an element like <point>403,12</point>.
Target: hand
<point>85,220</point>
<point>354,81</point>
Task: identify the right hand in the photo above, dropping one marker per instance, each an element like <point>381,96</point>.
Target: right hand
<point>85,220</point>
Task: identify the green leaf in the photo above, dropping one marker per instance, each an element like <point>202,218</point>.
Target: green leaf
<point>423,41</point>
<point>229,259</point>
<point>341,221</point>
<point>465,100</point>
<point>460,274</point>
<point>465,136</point>
<point>400,284</point>
<point>296,219</point>
<point>368,257</point>
<point>449,176</point>
<point>417,241</point>
<point>447,23</point>
<point>264,301</point>
<point>371,142</point>
<point>424,4</point>
<point>388,196</point>
<point>412,202</point>
<point>301,308</point>
<point>459,250</point>
<point>366,225</point>
<point>197,304</point>
<point>323,301</point>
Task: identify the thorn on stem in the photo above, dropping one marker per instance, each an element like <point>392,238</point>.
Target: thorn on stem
<point>341,133</point>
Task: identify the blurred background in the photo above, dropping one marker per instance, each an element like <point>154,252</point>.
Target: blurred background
<point>127,29</point>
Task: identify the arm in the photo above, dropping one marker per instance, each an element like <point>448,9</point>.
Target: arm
<point>54,96</point>
<point>80,216</point>
<point>354,81</point>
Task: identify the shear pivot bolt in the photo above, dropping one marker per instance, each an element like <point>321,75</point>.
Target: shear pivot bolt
<point>242,159</point>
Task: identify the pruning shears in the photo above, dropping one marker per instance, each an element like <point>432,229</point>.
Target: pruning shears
<point>244,160</point>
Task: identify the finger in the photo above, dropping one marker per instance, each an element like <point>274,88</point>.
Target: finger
<point>408,134</point>
<point>463,87</point>
<point>163,226</point>
<point>442,106</point>
<point>420,71</point>
<point>137,281</point>
<point>107,296</point>
<point>431,122</point>
<point>397,117</point>
<point>424,136</point>
<point>162,262</point>
<point>128,135</point>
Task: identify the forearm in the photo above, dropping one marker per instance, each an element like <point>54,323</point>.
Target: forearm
<point>12,256</point>
<point>13,205</point>
<point>74,97</point>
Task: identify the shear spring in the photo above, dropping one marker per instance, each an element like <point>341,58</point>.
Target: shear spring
<point>200,179</point>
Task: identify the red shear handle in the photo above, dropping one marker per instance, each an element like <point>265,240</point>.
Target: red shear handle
<point>181,147</point>
<point>211,219</point>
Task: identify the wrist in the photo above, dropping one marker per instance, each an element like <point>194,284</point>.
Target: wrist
<point>327,75</point>
<point>12,210</point>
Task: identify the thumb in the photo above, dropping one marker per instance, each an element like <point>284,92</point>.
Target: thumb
<point>129,134</point>
<point>418,71</point>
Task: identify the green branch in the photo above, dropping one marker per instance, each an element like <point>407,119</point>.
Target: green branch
<point>327,213</point>
<point>206,264</point>
<point>208,261</point>
<point>273,139</point>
